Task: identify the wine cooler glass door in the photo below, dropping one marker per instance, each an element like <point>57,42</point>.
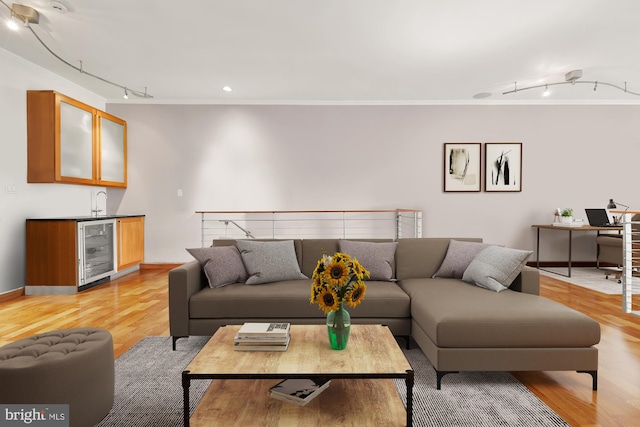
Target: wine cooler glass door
<point>96,244</point>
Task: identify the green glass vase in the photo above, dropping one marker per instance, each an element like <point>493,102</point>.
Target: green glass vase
<point>338,326</point>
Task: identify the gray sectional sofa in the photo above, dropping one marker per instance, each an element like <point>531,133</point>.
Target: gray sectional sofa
<point>459,325</point>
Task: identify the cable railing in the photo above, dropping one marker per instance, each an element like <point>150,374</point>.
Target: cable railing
<point>630,258</point>
<point>310,224</point>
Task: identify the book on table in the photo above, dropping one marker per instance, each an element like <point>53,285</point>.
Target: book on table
<point>263,330</point>
<point>299,391</point>
<point>262,337</point>
<point>250,345</point>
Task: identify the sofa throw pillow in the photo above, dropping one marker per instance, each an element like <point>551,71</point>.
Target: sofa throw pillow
<point>377,257</point>
<point>222,265</point>
<point>269,261</point>
<point>496,267</point>
<point>459,256</point>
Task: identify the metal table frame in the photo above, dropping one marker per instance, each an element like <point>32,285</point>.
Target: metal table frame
<point>570,244</point>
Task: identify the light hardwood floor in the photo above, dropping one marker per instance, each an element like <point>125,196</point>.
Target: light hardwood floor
<point>135,306</point>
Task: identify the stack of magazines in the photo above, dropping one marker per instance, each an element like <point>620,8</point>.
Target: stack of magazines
<point>298,390</point>
<point>262,337</point>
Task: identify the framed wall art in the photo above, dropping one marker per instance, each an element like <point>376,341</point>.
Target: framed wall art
<point>503,166</point>
<point>462,167</point>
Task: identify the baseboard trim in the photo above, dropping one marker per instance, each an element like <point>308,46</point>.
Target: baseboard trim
<point>51,290</point>
<point>564,264</point>
<point>158,266</point>
<point>12,294</point>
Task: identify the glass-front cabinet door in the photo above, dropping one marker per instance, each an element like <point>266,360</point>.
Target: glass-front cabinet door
<point>113,150</point>
<point>76,145</point>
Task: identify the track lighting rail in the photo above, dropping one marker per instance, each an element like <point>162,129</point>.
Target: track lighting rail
<point>571,79</point>
<point>28,15</point>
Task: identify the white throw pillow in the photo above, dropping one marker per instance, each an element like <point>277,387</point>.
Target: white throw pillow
<point>496,267</point>
<point>459,256</point>
<point>376,257</point>
<point>222,265</point>
<point>269,261</point>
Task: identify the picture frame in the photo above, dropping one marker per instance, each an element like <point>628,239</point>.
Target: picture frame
<point>462,167</point>
<point>503,166</point>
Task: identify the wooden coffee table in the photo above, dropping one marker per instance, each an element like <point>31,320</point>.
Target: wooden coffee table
<point>361,392</point>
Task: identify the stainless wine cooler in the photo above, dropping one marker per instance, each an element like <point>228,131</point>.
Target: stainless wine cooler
<point>96,251</point>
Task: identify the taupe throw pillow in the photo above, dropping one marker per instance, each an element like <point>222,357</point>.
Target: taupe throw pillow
<point>222,265</point>
<point>496,267</point>
<point>377,257</point>
<point>459,256</point>
<point>269,261</point>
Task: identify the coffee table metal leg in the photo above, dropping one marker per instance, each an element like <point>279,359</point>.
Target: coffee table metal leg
<point>186,383</point>
<point>409,381</point>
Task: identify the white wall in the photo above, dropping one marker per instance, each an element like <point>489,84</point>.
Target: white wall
<point>373,157</point>
<point>29,200</point>
<point>288,157</point>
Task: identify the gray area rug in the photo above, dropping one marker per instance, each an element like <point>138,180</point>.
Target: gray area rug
<point>149,391</point>
<point>591,278</point>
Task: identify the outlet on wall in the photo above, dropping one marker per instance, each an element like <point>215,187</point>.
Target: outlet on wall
<point>10,188</point>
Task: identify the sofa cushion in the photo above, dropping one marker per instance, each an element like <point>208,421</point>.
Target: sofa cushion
<point>222,265</point>
<point>496,267</point>
<point>297,244</point>
<point>457,314</point>
<point>376,257</point>
<point>290,299</point>
<point>459,256</point>
<point>269,261</point>
<point>313,249</point>
<point>422,256</point>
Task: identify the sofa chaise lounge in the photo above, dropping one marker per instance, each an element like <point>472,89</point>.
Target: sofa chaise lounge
<point>458,325</point>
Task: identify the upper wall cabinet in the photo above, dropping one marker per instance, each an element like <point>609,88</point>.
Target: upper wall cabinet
<point>71,142</point>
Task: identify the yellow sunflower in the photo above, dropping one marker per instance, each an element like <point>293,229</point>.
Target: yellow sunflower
<point>319,269</point>
<point>336,273</point>
<point>356,295</point>
<point>360,272</point>
<point>327,300</point>
<point>316,288</point>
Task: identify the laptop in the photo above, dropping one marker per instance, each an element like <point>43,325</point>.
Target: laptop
<point>599,218</point>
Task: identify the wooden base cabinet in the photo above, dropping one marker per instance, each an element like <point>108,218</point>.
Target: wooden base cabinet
<point>52,254</point>
<point>68,254</point>
<point>130,232</point>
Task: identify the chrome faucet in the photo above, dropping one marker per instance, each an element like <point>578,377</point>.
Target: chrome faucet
<point>97,211</point>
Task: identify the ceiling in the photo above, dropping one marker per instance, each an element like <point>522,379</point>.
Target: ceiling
<point>339,51</point>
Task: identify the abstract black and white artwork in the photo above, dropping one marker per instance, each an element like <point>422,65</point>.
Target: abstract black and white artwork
<point>503,166</point>
<point>462,166</point>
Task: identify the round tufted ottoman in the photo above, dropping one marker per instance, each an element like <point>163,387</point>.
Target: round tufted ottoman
<point>68,366</point>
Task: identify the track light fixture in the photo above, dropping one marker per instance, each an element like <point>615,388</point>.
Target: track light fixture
<point>546,92</point>
<point>570,78</point>
<point>29,15</point>
<point>12,23</point>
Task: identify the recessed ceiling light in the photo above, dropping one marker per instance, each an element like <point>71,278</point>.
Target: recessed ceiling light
<point>482,95</point>
<point>59,7</point>
<point>227,89</point>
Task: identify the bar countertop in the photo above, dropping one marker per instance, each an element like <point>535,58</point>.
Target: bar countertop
<point>81,218</point>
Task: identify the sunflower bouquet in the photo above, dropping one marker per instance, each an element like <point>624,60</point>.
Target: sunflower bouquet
<point>338,279</point>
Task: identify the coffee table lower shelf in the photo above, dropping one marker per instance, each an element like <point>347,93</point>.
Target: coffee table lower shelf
<point>346,402</point>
